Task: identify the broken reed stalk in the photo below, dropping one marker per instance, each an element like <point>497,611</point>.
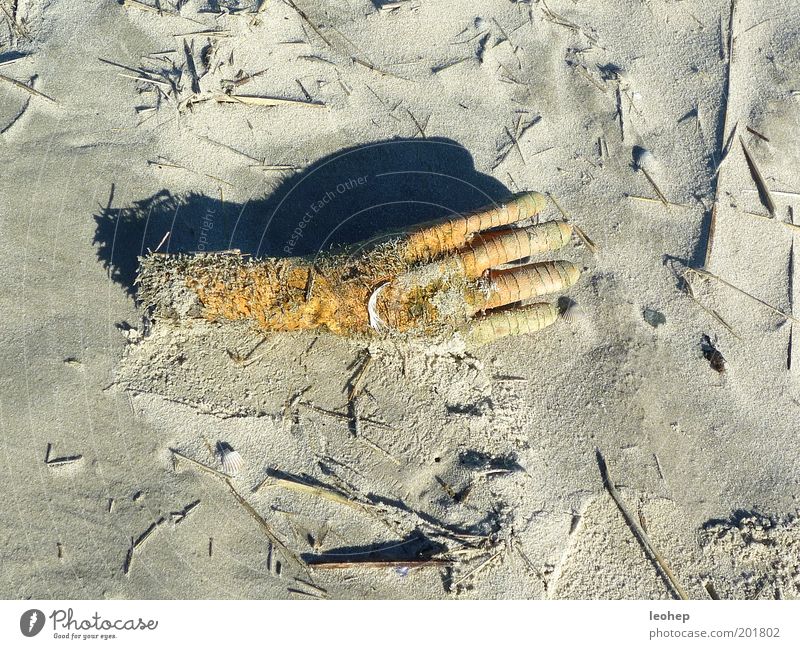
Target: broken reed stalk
<point>287,553</point>
<point>375,447</point>
<point>26,88</point>
<point>312,586</point>
<point>712,226</point>
<point>266,167</point>
<point>761,184</point>
<point>358,377</point>
<point>638,532</point>
<point>211,33</point>
<point>319,492</point>
<point>757,134</point>
<point>252,100</point>
<point>126,568</point>
<point>655,200</point>
<point>314,596</point>
<point>178,455</point>
<point>705,273</point>
<point>344,416</point>
<point>581,234</point>
<point>658,191</point>
<point>478,569</point>
<point>146,534</point>
<point>711,312</point>
<point>411,564</point>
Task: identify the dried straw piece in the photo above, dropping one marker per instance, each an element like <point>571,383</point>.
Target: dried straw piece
<point>658,191</point>
<point>251,100</point>
<point>655,200</point>
<point>705,273</point>
<point>579,231</point>
<point>638,532</point>
<point>726,91</point>
<point>26,88</point>
<point>761,184</point>
<point>319,492</point>
<point>711,312</point>
<point>411,564</point>
<point>287,553</point>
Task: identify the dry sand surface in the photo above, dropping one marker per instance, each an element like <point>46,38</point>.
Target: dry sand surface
<point>475,468</point>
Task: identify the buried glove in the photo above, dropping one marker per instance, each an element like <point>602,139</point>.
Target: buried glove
<point>439,278</point>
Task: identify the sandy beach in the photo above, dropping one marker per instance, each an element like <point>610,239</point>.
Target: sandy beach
<point>667,131</point>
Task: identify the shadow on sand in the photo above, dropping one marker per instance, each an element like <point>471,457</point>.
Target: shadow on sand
<point>353,195</point>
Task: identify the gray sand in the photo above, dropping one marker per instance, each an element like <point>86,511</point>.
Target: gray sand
<point>497,443</point>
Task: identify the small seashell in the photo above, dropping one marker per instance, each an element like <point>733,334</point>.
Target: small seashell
<point>232,462</point>
<point>571,313</point>
<point>643,158</point>
<point>375,321</point>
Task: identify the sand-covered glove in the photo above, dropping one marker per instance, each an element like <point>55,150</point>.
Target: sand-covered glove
<point>445,277</point>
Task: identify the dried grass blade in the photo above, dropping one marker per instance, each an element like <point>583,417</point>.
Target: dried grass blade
<point>251,100</point>
<point>638,532</point>
<point>26,88</point>
<point>761,184</point>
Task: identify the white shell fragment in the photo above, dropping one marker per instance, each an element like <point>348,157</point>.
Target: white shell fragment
<point>571,313</point>
<point>375,321</point>
<point>643,158</point>
<point>232,461</point>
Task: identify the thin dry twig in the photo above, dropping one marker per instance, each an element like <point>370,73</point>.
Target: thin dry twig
<point>319,492</point>
<point>252,100</point>
<point>411,564</point>
<point>287,553</point>
<point>761,184</point>
<point>479,568</point>
<point>177,455</point>
<point>712,226</point>
<point>711,312</point>
<point>638,532</point>
<point>705,273</point>
<point>343,416</point>
<point>146,534</point>
<point>655,200</point>
<point>658,191</point>
<point>578,230</point>
<point>26,88</point>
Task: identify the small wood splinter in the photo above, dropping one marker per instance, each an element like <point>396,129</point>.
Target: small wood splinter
<point>444,277</point>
